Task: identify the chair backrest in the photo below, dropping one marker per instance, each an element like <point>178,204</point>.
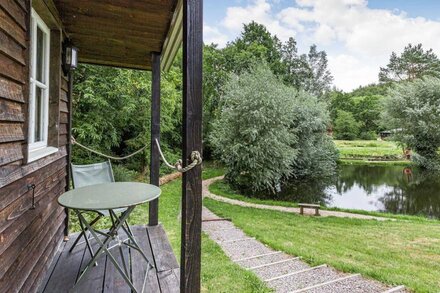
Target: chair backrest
<point>84,175</point>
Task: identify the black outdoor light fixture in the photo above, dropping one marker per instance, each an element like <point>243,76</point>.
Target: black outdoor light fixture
<point>70,57</point>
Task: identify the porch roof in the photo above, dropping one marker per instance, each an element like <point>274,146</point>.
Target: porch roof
<point>123,33</point>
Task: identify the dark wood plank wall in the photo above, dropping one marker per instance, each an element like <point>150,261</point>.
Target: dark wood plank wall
<point>29,238</point>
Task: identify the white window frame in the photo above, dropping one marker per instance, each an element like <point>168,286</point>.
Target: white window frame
<point>39,149</point>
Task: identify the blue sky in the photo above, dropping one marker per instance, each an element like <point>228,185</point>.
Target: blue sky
<point>358,35</point>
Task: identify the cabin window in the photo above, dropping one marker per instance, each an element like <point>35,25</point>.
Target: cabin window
<point>39,89</point>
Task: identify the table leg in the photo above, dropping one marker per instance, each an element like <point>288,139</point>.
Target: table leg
<point>103,246</point>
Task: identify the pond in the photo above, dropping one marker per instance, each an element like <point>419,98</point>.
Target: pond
<point>392,189</point>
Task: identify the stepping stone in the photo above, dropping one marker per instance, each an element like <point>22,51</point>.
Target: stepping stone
<point>300,280</point>
<point>356,284</point>
<point>263,259</point>
<point>243,249</point>
<point>280,268</point>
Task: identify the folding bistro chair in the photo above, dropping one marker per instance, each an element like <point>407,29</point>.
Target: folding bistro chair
<point>84,175</point>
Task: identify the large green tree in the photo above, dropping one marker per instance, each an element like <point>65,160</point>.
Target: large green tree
<point>268,132</point>
<point>414,108</point>
<point>414,62</point>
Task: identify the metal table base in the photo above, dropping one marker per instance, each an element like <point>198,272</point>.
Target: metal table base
<point>118,222</point>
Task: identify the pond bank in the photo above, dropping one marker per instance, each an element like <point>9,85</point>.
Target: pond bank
<point>324,213</point>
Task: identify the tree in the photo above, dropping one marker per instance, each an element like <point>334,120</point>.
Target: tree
<point>296,68</point>
<point>268,132</point>
<point>254,45</point>
<point>413,63</point>
<point>319,79</point>
<point>414,108</point>
<point>346,126</point>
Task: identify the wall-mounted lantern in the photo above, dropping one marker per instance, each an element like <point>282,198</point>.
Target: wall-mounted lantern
<point>70,57</point>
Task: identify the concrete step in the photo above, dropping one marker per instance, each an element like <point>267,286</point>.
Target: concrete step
<point>353,284</point>
<point>303,279</point>
<point>243,249</point>
<point>279,268</point>
<point>263,259</point>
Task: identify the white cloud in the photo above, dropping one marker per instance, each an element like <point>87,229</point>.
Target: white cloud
<point>367,36</point>
<point>214,35</point>
<point>358,39</point>
<point>259,11</point>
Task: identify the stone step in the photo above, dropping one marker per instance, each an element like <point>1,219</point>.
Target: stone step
<point>217,225</point>
<point>398,289</point>
<point>263,259</point>
<point>303,279</point>
<point>280,268</point>
<point>226,235</point>
<point>243,249</point>
<point>350,284</point>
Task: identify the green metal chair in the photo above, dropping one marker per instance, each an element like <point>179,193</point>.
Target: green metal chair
<point>84,175</point>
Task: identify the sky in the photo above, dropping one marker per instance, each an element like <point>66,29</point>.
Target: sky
<point>358,35</point>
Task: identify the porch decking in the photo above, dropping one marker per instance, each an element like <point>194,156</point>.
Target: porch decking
<point>105,278</point>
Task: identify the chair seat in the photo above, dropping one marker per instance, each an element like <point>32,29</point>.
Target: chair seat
<point>106,213</point>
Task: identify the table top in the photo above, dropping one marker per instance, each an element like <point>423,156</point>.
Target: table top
<point>109,196</point>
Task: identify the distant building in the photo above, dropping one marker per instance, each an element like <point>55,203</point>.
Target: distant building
<point>387,133</point>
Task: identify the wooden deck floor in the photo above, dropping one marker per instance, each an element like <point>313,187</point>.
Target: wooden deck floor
<point>105,278</point>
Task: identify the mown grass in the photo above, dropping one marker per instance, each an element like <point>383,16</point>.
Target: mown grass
<point>369,150</point>
<point>394,252</point>
<point>219,273</point>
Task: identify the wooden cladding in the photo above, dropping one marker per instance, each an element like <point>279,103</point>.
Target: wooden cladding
<point>28,237</point>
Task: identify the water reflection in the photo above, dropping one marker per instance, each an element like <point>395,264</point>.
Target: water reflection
<point>373,188</point>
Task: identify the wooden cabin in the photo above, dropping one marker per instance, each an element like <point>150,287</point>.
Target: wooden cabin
<point>35,126</point>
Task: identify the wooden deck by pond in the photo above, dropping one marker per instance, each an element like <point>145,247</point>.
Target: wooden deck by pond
<point>105,278</point>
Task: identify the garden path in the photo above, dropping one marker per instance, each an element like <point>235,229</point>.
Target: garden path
<point>283,272</point>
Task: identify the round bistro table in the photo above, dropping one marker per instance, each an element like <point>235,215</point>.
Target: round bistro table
<point>110,196</point>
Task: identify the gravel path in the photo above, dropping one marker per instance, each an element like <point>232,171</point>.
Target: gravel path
<point>280,271</point>
<point>323,213</point>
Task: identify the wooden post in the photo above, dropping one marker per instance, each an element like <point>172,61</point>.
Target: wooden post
<point>192,141</point>
<point>69,147</point>
<point>153,211</point>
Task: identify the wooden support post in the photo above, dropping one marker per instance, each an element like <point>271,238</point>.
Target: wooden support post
<point>153,214</point>
<point>192,141</point>
<point>69,148</point>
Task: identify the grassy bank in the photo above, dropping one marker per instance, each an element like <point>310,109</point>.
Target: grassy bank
<point>370,152</point>
<point>395,252</point>
<point>219,273</point>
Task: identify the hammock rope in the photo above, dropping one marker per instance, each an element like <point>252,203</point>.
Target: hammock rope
<point>196,158</point>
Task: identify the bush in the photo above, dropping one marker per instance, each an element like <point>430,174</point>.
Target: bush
<point>414,107</point>
<point>346,127</point>
<point>268,132</point>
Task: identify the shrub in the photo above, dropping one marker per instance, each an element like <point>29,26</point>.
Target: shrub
<point>268,132</point>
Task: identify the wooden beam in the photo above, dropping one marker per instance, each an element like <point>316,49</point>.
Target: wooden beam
<point>153,214</point>
<point>174,38</point>
<point>192,141</point>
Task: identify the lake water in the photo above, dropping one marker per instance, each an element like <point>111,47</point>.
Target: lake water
<point>391,189</point>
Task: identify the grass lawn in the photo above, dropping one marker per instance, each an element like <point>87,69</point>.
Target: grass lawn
<point>395,252</point>
<point>364,150</point>
<point>219,274</point>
